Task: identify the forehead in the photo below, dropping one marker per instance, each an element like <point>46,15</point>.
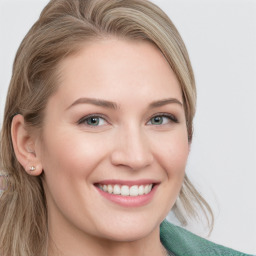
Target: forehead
<point>113,68</point>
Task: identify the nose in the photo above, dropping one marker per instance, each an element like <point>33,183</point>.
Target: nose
<point>131,149</point>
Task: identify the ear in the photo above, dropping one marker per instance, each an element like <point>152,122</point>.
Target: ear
<point>24,146</point>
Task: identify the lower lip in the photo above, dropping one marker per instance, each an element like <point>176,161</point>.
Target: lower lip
<point>129,201</point>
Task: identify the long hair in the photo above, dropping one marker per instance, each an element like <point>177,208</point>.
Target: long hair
<point>60,31</point>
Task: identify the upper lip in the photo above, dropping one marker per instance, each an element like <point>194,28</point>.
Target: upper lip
<point>127,182</point>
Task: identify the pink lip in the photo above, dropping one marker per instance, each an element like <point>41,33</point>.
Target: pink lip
<point>128,201</point>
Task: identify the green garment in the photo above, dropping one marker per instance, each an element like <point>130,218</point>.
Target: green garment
<point>180,242</point>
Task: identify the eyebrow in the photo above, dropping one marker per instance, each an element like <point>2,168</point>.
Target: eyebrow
<point>113,105</point>
<point>160,103</point>
<point>97,102</point>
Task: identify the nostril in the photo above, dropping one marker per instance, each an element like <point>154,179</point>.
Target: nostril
<point>132,151</point>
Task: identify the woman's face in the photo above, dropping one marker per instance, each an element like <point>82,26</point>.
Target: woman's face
<point>115,144</point>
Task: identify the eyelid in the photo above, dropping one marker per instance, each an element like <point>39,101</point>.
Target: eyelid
<point>172,117</point>
<point>82,120</point>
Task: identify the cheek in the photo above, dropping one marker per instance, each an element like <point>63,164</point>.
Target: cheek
<point>73,157</point>
<point>68,162</point>
<point>172,154</point>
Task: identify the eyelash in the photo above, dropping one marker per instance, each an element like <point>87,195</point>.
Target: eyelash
<point>171,118</point>
<point>86,118</point>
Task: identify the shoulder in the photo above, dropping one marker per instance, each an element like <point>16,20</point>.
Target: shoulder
<point>183,243</point>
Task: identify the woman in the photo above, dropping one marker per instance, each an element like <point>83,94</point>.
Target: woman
<point>96,135</point>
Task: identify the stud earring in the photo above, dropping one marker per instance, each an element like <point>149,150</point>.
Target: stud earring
<point>32,168</point>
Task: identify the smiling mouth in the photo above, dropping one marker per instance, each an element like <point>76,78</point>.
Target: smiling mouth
<point>125,190</point>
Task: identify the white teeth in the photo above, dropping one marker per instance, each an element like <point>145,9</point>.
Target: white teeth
<point>110,189</point>
<point>141,190</point>
<point>146,189</point>
<point>134,191</point>
<point>117,190</point>
<point>125,190</point>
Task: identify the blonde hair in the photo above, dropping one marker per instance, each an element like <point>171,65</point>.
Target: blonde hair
<point>60,31</point>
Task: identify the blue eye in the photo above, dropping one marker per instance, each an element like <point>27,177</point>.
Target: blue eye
<point>162,119</point>
<point>93,121</point>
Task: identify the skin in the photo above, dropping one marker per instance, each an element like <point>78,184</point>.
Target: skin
<point>126,145</point>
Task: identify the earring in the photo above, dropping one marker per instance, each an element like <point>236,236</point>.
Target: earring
<point>32,168</point>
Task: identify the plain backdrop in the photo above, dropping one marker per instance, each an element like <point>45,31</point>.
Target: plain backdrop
<point>221,39</point>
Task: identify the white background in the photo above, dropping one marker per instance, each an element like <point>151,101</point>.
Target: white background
<point>221,40</point>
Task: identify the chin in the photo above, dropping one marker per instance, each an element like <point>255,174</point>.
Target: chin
<point>130,230</point>
<point>128,235</point>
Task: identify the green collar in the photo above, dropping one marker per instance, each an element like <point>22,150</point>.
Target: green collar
<point>180,242</point>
